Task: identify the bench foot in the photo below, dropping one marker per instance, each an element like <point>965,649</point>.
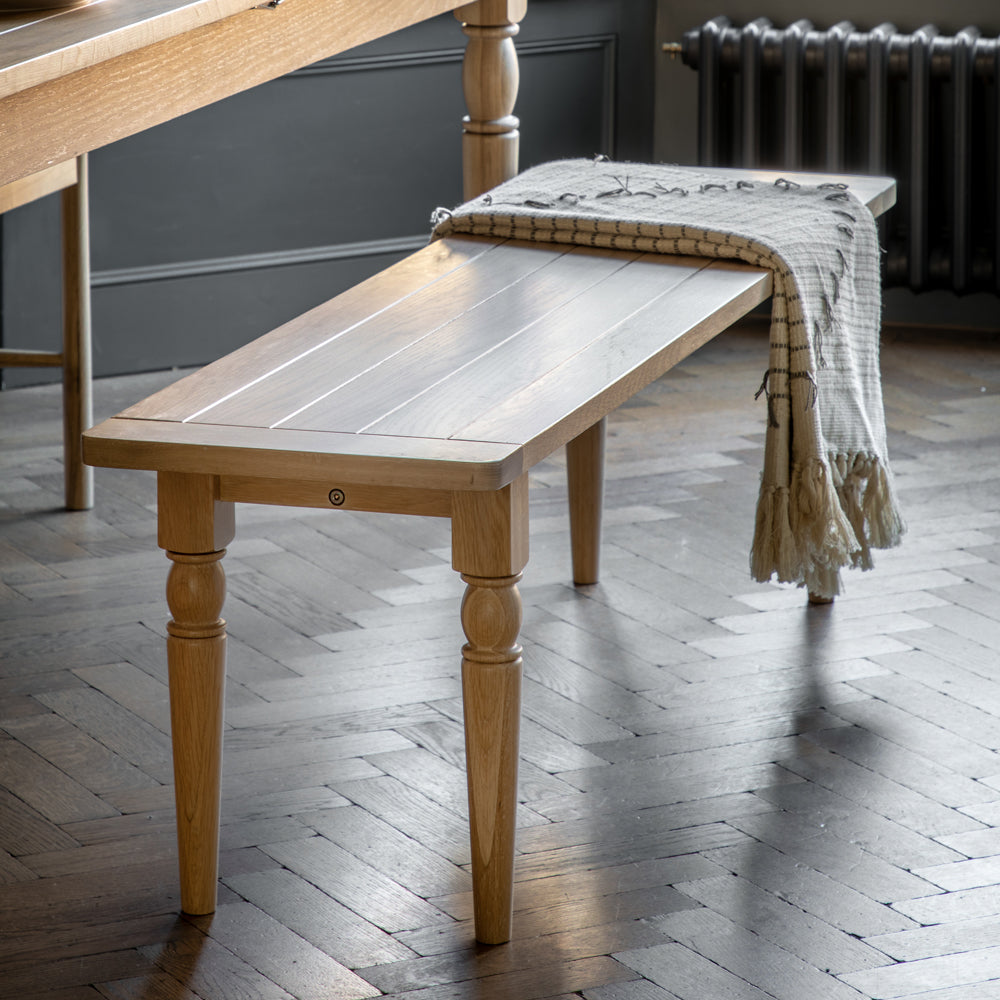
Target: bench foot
<point>585,480</point>
<point>490,548</point>
<point>193,527</point>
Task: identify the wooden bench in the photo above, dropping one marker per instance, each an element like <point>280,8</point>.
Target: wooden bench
<point>432,389</point>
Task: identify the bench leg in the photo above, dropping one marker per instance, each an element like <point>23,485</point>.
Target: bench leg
<point>77,410</point>
<point>194,528</point>
<point>489,548</point>
<point>585,475</point>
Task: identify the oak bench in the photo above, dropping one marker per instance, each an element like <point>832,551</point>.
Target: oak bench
<point>431,389</point>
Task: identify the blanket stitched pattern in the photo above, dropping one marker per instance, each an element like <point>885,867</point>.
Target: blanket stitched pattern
<point>826,496</point>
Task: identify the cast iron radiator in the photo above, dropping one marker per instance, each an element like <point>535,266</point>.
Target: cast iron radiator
<point>921,107</point>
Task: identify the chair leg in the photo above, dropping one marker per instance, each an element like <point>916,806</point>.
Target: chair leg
<point>489,548</point>
<point>77,406</point>
<point>585,480</point>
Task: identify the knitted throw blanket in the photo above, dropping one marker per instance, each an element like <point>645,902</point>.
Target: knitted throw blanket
<point>826,496</point>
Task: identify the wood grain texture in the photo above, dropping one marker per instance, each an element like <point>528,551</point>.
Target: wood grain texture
<point>194,526</point>
<point>299,338</point>
<point>191,517</point>
<point>45,182</point>
<point>489,549</point>
<point>555,390</point>
<point>369,459</point>
<point>599,378</point>
<point>465,348</point>
<point>95,34</point>
<point>336,494</point>
<point>383,356</point>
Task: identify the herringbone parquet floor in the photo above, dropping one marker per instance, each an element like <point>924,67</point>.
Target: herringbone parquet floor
<point>726,794</point>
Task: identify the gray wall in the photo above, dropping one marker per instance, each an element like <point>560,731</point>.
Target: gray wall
<point>216,227</point>
<point>676,102</point>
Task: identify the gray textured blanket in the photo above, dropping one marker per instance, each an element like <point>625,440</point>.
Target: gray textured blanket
<point>826,496</point>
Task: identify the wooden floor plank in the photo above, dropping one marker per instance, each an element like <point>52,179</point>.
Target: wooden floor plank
<point>48,790</point>
<point>745,953</point>
<point>724,793</point>
<point>813,940</point>
<point>371,894</point>
<point>316,917</point>
<point>209,969</point>
<point>814,892</point>
<point>282,956</point>
<point>77,753</point>
<point>371,839</point>
<point>48,975</point>
<point>928,974</point>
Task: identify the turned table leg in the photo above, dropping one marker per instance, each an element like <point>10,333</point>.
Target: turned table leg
<point>194,528</point>
<point>490,80</point>
<point>489,549</point>
<point>585,480</point>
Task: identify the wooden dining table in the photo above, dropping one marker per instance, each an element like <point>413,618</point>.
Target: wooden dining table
<point>77,78</point>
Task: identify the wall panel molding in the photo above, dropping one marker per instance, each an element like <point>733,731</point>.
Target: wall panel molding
<point>603,44</point>
<point>257,261</point>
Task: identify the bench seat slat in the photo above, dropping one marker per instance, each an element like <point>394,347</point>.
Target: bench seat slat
<point>310,331</point>
<point>371,349</point>
<point>523,359</point>
<point>471,336</point>
<point>597,380</point>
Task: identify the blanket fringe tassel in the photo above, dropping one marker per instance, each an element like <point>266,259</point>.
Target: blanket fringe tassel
<point>830,517</point>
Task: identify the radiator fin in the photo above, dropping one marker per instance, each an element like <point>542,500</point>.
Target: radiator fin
<point>922,107</point>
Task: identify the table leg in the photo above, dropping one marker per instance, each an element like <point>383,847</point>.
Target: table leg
<point>194,527</point>
<point>489,549</point>
<point>585,480</point>
<point>77,407</point>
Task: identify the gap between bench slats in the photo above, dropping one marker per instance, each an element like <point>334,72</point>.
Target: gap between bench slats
<point>512,320</point>
<point>528,355</point>
<point>598,379</point>
<point>363,373</point>
<point>306,334</point>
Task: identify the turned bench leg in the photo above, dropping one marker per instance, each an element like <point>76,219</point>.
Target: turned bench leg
<point>585,480</point>
<point>489,549</point>
<point>194,528</point>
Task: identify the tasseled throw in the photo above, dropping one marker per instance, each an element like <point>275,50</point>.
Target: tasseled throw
<point>826,496</point>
